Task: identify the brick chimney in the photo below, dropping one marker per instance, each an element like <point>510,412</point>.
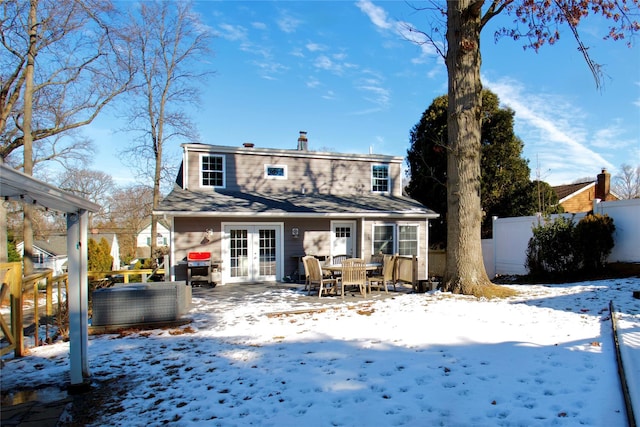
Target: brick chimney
<point>603,185</point>
<point>302,141</point>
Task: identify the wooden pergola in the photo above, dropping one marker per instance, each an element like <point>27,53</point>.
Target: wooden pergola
<point>15,185</point>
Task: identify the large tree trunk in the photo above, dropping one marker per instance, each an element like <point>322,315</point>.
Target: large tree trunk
<point>465,271</point>
<point>27,229</point>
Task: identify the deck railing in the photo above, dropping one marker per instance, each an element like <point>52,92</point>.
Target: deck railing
<point>17,289</point>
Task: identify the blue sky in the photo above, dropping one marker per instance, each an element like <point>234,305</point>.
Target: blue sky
<point>345,72</point>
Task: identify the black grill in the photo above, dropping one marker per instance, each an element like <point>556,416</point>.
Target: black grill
<point>199,268</point>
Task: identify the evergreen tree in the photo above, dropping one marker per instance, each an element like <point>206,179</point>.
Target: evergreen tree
<point>99,255</point>
<point>505,186</point>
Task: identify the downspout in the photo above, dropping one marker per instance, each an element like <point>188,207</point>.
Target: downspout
<point>172,248</point>
<point>426,237</point>
<point>361,237</point>
<point>185,169</point>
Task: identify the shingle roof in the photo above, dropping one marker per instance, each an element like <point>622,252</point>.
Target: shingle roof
<point>566,190</point>
<point>54,245</point>
<point>221,202</point>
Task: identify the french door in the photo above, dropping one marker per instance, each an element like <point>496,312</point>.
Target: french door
<point>251,253</point>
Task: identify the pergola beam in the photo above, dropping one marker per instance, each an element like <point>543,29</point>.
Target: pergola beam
<point>15,185</point>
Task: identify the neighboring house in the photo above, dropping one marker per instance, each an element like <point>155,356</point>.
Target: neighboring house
<point>579,197</point>
<point>143,240</point>
<point>52,252</point>
<point>259,210</point>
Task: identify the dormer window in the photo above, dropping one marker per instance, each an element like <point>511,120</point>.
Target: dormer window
<point>212,171</point>
<point>380,178</point>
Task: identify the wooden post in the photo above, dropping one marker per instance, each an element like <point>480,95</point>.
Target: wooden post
<point>16,311</point>
<point>50,294</point>
<point>36,313</point>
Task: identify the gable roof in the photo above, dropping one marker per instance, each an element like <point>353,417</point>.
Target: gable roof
<point>54,245</point>
<point>147,223</point>
<point>232,203</point>
<point>570,190</point>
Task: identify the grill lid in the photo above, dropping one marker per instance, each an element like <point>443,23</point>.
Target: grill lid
<point>199,256</point>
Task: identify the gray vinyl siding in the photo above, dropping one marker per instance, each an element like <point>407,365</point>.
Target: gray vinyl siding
<point>315,172</point>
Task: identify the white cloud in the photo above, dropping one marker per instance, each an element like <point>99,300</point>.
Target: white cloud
<point>611,137</point>
<point>325,63</point>
<point>313,83</point>
<point>233,32</point>
<point>555,132</point>
<point>372,84</point>
<point>376,14</point>
<point>288,24</point>
<point>378,17</point>
<point>315,47</point>
<point>329,95</point>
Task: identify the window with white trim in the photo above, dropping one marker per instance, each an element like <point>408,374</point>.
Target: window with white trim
<point>407,239</point>
<point>212,171</point>
<point>380,178</point>
<point>402,239</point>
<point>275,171</point>
<point>383,239</point>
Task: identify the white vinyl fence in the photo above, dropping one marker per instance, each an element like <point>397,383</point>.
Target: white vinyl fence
<point>506,252</point>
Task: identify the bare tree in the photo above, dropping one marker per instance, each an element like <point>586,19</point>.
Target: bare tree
<point>172,47</point>
<point>626,184</point>
<point>537,23</point>
<point>129,210</point>
<point>60,67</point>
<point>92,185</point>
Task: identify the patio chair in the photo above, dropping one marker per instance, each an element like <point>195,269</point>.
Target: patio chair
<point>337,259</point>
<point>386,276</point>
<point>354,273</point>
<point>315,278</point>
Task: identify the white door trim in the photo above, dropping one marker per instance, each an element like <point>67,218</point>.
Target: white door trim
<point>352,238</point>
<point>225,250</point>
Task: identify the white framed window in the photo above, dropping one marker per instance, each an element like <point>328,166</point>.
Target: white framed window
<point>389,239</point>
<point>408,239</point>
<point>383,239</point>
<point>380,178</point>
<point>212,170</point>
<point>275,171</point>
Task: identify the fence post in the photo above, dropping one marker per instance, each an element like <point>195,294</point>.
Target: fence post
<point>49,294</point>
<point>16,311</point>
<point>36,313</point>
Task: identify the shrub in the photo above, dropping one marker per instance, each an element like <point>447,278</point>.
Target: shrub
<point>560,247</point>
<point>550,250</point>
<point>594,241</point>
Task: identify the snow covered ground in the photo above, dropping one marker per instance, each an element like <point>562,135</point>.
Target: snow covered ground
<point>543,358</point>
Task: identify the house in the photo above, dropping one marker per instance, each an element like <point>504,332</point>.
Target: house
<point>52,252</point>
<point>579,197</point>
<point>48,253</point>
<point>143,239</point>
<point>258,211</point>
